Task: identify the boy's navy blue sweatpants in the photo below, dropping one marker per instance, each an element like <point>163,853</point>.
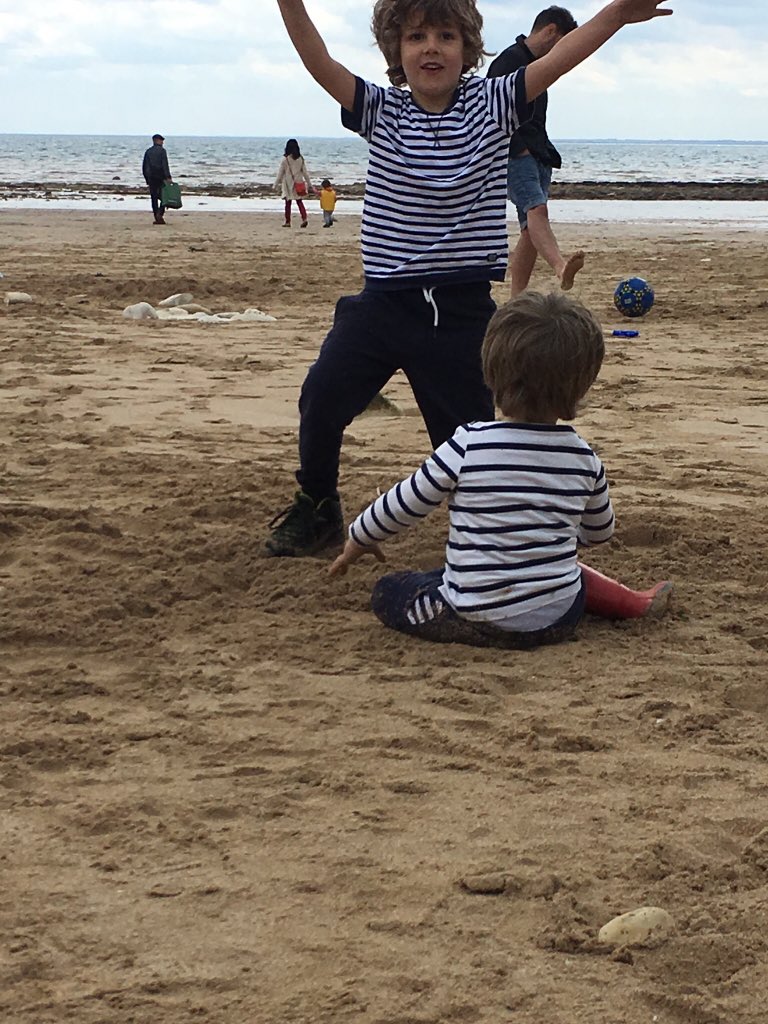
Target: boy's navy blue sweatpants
<point>433,335</point>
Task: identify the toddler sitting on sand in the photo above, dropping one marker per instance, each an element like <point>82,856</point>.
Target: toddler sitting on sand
<point>523,492</point>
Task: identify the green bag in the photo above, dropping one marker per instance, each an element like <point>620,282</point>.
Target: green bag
<point>170,195</point>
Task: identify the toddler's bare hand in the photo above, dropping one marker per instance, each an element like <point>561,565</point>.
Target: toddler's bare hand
<point>351,553</point>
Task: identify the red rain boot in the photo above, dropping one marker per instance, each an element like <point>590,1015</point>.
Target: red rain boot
<point>612,600</point>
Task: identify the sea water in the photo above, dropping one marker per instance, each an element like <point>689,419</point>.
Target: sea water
<point>200,161</point>
<point>77,161</point>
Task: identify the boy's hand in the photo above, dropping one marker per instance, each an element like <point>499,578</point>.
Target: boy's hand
<point>352,551</point>
<point>576,46</point>
<point>327,72</point>
<point>633,11</point>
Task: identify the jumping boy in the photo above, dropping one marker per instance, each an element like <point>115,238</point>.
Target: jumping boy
<point>433,228</point>
<point>522,492</point>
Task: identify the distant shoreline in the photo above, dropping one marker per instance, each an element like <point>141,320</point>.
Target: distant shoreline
<point>756,191</point>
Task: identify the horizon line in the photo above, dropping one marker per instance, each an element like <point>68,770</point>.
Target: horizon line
<point>559,139</point>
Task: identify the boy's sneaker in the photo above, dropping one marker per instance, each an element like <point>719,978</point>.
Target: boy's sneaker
<point>305,528</point>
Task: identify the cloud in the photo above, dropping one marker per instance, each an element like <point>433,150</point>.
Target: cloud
<point>706,66</point>
<point>228,67</point>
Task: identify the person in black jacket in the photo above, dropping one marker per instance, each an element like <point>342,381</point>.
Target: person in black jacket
<point>156,172</point>
<point>532,157</point>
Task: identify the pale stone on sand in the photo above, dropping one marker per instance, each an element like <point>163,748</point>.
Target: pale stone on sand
<point>140,311</point>
<point>257,314</point>
<point>194,307</point>
<point>180,299</point>
<point>637,928</point>
<point>12,298</point>
<point>174,313</point>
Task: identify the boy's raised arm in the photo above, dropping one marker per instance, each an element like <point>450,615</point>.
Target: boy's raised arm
<point>337,80</point>
<point>576,46</point>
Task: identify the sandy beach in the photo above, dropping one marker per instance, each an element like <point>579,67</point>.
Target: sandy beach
<point>230,795</point>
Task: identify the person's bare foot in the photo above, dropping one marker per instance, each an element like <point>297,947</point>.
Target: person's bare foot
<point>572,266</point>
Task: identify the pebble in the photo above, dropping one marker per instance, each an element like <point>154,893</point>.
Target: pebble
<point>173,313</point>
<point>257,314</point>
<point>11,298</point>
<point>637,928</point>
<point>140,311</point>
<point>486,885</point>
<point>194,307</point>
<point>180,299</point>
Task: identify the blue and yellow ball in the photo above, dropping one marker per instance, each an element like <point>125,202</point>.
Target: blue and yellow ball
<point>633,297</point>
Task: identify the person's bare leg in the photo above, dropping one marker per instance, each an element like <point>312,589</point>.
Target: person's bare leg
<point>544,241</point>
<point>521,263</point>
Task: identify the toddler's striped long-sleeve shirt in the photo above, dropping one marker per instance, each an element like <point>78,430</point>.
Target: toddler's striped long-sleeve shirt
<point>521,497</point>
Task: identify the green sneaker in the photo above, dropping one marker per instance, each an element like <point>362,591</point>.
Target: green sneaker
<point>305,528</point>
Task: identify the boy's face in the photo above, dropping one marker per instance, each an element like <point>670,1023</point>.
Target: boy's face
<point>432,57</point>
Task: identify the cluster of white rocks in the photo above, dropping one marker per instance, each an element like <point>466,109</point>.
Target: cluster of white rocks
<point>182,307</point>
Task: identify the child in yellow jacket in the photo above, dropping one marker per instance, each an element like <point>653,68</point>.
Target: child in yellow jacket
<point>327,202</point>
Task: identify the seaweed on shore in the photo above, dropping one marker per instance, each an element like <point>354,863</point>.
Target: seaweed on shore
<point>756,191</point>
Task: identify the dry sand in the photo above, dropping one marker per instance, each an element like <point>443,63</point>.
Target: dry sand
<point>230,795</point>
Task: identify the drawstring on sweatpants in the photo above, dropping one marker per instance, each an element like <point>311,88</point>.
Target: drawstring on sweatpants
<point>430,298</point>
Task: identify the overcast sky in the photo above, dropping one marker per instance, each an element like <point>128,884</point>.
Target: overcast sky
<point>226,67</point>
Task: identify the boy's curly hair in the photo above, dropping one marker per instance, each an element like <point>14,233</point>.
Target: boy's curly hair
<point>391,16</point>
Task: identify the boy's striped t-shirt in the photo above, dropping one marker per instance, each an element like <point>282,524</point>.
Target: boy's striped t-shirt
<point>520,498</point>
<point>436,187</point>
